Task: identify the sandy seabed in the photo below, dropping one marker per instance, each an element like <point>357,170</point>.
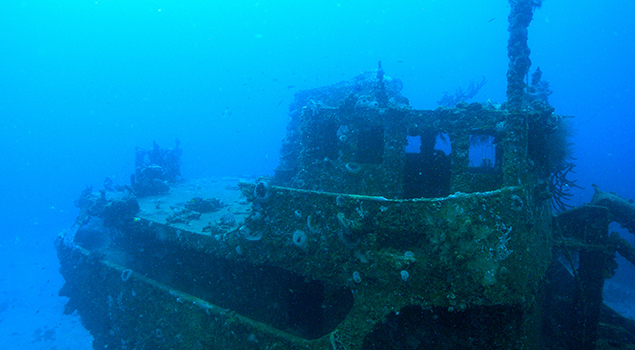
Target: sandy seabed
<point>31,311</point>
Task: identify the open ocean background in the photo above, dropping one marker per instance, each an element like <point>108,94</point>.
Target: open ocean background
<point>84,82</point>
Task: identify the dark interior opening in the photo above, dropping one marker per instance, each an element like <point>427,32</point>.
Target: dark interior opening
<point>481,327</point>
<point>370,145</point>
<point>271,295</point>
<point>427,168</point>
<point>484,154</point>
<point>326,140</point>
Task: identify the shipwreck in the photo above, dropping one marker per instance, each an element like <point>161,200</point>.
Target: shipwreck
<point>384,227</point>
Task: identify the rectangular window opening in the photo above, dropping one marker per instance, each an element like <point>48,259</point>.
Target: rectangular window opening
<point>484,154</point>
<point>443,143</point>
<point>427,169</point>
<point>413,144</point>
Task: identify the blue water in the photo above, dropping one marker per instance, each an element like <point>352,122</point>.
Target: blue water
<point>85,82</point>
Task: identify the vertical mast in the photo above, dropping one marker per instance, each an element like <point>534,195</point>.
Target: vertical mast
<point>520,16</point>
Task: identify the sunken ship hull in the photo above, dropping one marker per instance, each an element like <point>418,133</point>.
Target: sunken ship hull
<point>341,249</point>
<point>384,227</point>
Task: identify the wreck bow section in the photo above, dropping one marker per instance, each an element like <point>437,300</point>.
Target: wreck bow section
<point>384,225</point>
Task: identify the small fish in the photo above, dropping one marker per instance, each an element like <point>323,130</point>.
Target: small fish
<point>290,86</point>
<point>136,219</point>
<point>227,112</point>
<point>493,18</point>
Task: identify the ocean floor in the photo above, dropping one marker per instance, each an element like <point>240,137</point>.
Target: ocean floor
<point>31,312</point>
